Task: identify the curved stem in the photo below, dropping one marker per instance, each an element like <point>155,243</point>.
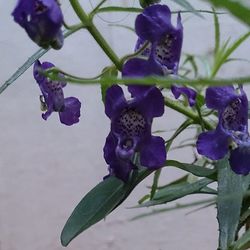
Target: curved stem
<point>163,81</point>
<point>187,112</point>
<point>86,20</point>
<point>138,52</point>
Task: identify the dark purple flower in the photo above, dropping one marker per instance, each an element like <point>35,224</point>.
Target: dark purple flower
<point>42,20</point>
<point>154,25</point>
<point>232,128</point>
<point>54,101</point>
<point>162,54</point>
<point>131,122</point>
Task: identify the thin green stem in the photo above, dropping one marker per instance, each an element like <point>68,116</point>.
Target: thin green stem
<point>97,7</point>
<point>154,187</point>
<point>139,10</point>
<point>72,27</point>
<point>200,117</point>
<point>58,71</point>
<point>161,81</point>
<point>95,33</point>
<point>187,112</point>
<point>138,52</point>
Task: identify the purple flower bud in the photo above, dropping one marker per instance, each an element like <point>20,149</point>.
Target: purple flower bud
<point>42,20</point>
<point>54,101</point>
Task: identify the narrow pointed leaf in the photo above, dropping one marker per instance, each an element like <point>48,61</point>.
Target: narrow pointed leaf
<point>95,206</point>
<point>174,192</point>
<point>217,32</point>
<point>231,189</point>
<point>191,168</point>
<point>243,242</point>
<point>237,8</point>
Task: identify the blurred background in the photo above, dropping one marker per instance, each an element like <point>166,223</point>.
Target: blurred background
<point>46,167</point>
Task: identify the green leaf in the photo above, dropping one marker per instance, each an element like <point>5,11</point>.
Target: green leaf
<point>177,191</point>
<point>243,243</point>
<point>224,53</point>
<point>23,68</point>
<point>155,183</point>
<point>105,84</point>
<point>95,206</point>
<point>175,207</point>
<point>239,10</point>
<point>191,168</point>
<point>231,189</point>
<point>217,32</point>
<point>119,9</point>
<point>182,127</point>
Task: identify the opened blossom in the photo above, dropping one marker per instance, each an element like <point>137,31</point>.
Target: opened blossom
<point>131,122</point>
<point>232,128</point>
<point>162,55</point>
<point>54,101</point>
<point>42,20</point>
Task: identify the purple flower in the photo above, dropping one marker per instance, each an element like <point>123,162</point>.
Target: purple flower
<point>131,122</point>
<point>154,25</point>
<point>42,20</point>
<point>164,51</point>
<point>52,92</point>
<point>232,128</point>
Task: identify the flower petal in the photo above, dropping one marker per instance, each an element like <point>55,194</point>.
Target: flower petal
<point>109,149</point>
<point>219,97</point>
<point>188,92</point>
<point>114,100</point>
<point>121,169</point>
<point>153,153</point>
<point>138,67</point>
<point>240,160</point>
<point>151,104</point>
<point>153,22</point>
<point>213,144</point>
<point>71,113</point>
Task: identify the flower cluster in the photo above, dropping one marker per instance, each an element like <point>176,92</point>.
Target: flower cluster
<point>131,120</point>
<point>232,128</point>
<point>54,101</point>
<point>42,20</point>
<point>130,142</point>
<point>162,55</point>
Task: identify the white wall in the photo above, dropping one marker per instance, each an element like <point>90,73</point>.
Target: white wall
<point>46,167</point>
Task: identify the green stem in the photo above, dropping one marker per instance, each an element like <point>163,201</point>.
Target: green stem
<point>187,112</point>
<point>154,187</point>
<point>161,81</point>
<point>200,117</point>
<point>138,52</point>
<point>95,33</point>
<point>97,7</point>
